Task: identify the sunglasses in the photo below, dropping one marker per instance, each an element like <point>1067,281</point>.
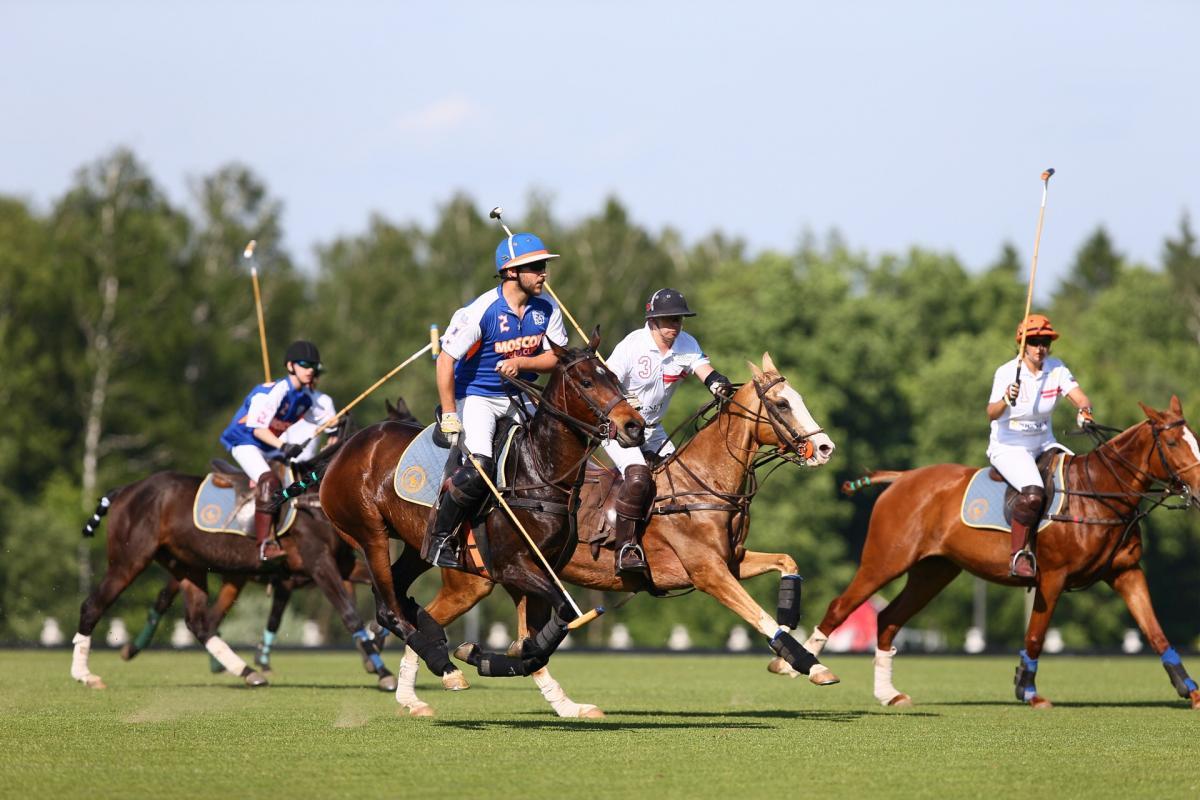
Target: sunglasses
<point>537,269</point>
<point>1038,341</point>
<point>313,365</point>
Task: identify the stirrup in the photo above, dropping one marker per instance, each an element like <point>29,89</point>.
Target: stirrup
<point>262,550</point>
<point>633,550</point>
<point>444,551</point>
<point>1023,553</point>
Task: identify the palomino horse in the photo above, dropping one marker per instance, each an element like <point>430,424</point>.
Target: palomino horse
<point>582,404</point>
<point>151,520</point>
<point>916,527</point>
<point>696,535</point>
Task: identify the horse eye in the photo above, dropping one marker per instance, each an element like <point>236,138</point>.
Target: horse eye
<point>783,404</point>
<point>1174,443</point>
<point>586,383</point>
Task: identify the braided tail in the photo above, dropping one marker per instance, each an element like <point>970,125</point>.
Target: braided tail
<point>879,477</point>
<point>90,527</point>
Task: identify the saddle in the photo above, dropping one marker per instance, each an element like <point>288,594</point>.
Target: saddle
<point>597,517</point>
<point>224,502</point>
<point>1045,464</point>
<point>988,500</point>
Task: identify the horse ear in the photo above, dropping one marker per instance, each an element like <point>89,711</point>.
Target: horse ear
<point>594,341</point>
<point>1149,412</point>
<point>755,371</point>
<point>558,349</point>
<point>768,364</point>
<point>1176,406</point>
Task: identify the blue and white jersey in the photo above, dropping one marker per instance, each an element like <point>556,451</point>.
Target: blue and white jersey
<point>272,405</point>
<point>488,330</point>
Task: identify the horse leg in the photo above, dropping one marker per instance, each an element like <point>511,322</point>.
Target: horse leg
<point>412,624</point>
<point>325,574</point>
<point>195,595</point>
<point>281,595</point>
<point>711,575</point>
<point>227,595</point>
<point>1049,587</point>
<point>874,572</point>
<point>161,603</point>
<point>535,612</point>
<point>458,594</point>
<point>1131,585</point>
<point>927,577</point>
<point>787,612</point>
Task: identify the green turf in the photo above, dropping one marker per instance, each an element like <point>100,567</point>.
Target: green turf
<point>680,726</point>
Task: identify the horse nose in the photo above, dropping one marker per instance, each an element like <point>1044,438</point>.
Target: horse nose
<point>825,450</point>
<point>636,431</point>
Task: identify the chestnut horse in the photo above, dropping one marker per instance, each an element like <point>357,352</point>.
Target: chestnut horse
<point>696,535</point>
<point>916,528</point>
<point>151,520</point>
<point>581,405</point>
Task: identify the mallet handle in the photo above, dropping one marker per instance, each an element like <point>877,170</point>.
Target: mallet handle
<point>248,254</point>
<point>1037,241</point>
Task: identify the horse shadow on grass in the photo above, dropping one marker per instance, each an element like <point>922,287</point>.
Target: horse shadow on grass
<point>665,720</point>
<point>1180,704</point>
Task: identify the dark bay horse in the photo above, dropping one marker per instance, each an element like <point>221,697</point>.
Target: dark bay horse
<point>696,535</point>
<point>916,528</point>
<point>151,520</point>
<point>582,403</point>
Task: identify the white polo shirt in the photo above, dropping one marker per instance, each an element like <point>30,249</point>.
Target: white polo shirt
<point>646,372</point>
<point>1027,424</point>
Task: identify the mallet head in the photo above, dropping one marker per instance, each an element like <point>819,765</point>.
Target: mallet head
<point>249,251</point>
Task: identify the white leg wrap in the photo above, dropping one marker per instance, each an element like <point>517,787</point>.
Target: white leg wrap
<point>79,659</point>
<point>230,660</point>
<point>767,626</point>
<point>406,681</point>
<point>816,643</point>
<point>885,692</point>
<point>556,697</point>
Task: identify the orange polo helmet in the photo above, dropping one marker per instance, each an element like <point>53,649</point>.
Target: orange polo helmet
<point>1036,325</point>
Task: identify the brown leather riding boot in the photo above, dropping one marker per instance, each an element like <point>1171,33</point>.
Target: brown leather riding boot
<point>1021,564</point>
<point>264,517</point>
<point>632,504</point>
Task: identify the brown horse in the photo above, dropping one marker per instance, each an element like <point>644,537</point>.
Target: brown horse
<point>151,520</point>
<point>916,528</point>
<point>582,404</point>
<point>696,535</point>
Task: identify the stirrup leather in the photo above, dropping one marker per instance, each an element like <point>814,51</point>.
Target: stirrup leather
<point>1024,552</point>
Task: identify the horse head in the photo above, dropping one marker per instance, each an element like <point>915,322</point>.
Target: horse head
<point>782,419</point>
<point>588,393</point>
<point>1175,453</point>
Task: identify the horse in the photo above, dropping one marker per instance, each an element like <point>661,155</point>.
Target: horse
<point>581,405</point>
<point>695,536</point>
<point>280,589</point>
<point>916,528</point>
<point>151,520</point>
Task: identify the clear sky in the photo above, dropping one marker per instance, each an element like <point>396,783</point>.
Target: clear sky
<point>897,123</point>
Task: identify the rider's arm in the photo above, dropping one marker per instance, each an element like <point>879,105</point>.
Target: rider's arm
<point>542,362</point>
<point>703,371</point>
<point>1080,399</point>
<point>262,411</point>
<point>445,381</point>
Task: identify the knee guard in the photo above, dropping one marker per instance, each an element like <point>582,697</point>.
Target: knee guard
<point>637,492</point>
<point>1028,508</point>
<point>467,486</point>
<point>264,492</point>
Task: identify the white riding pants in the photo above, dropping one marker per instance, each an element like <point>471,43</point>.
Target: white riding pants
<point>478,415</point>
<point>622,457</point>
<point>1017,464</point>
<point>250,459</point>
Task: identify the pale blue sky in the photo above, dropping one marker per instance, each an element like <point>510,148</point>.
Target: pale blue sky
<point>897,123</point>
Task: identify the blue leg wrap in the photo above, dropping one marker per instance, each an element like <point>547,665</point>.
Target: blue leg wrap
<point>1173,664</point>
<point>369,648</point>
<point>268,639</point>
<point>1024,679</point>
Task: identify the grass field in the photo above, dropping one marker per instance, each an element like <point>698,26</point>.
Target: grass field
<point>677,726</point>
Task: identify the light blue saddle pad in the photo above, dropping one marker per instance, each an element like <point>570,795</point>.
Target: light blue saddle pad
<point>983,502</point>
<point>217,510</point>
<point>418,476</point>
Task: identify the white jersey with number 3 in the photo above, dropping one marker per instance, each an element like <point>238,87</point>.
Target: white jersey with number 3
<point>651,375</point>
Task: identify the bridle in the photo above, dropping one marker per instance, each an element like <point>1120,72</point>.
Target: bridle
<point>593,433</point>
<point>795,444</point>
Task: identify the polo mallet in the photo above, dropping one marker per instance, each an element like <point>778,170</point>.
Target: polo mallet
<point>248,254</point>
<point>434,346</point>
<point>1037,240</point>
<point>581,618</point>
<point>495,214</point>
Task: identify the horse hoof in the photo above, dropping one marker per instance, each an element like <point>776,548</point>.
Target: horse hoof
<point>128,652</point>
<point>777,666</point>
<point>1040,702</point>
<point>822,677</point>
<point>455,681</point>
<point>94,682</point>
<point>465,650</point>
<point>255,679</point>
<point>589,711</point>
<point>420,710</point>
<point>1195,698</point>
<point>900,701</point>
<point>387,683</point>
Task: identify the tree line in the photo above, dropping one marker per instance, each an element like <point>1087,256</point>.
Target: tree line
<point>128,338</point>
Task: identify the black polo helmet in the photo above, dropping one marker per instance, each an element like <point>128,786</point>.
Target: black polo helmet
<point>301,350</point>
<point>667,303</point>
